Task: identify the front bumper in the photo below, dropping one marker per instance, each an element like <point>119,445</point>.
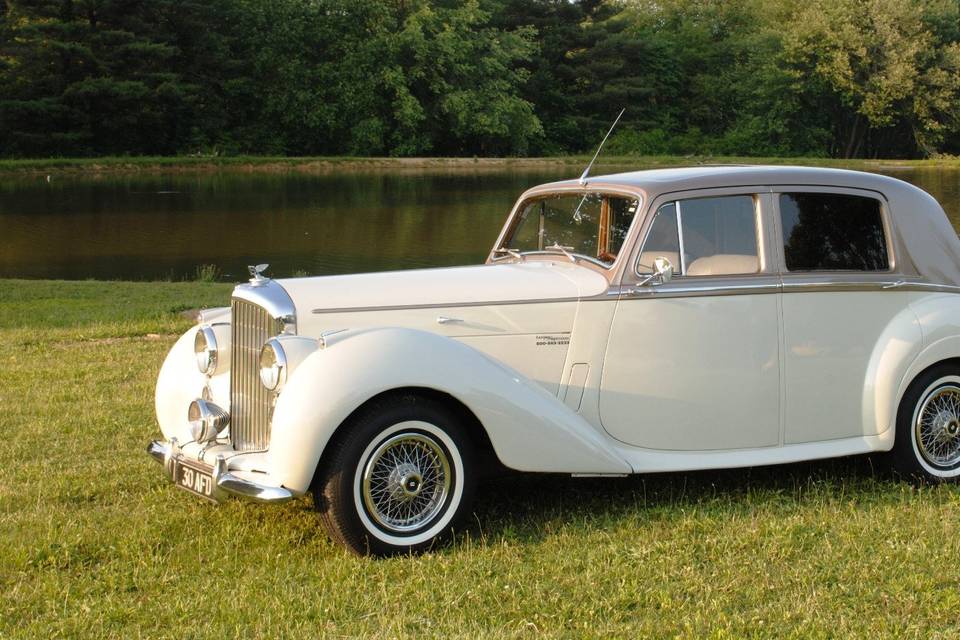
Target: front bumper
<point>225,484</point>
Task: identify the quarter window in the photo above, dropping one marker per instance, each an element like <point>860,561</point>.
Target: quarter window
<point>663,240</point>
<point>832,232</point>
<point>704,237</point>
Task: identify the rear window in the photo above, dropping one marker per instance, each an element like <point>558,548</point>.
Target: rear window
<point>832,232</point>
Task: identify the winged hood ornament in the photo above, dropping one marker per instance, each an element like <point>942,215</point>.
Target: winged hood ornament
<point>256,273</point>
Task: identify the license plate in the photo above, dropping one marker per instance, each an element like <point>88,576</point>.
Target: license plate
<point>195,479</point>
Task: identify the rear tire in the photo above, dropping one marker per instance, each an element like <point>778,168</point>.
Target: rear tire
<point>927,445</point>
<point>398,477</point>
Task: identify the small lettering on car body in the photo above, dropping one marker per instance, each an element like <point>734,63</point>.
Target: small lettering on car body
<point>553,341</point>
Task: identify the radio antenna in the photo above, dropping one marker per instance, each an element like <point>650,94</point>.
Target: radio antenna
<point>586,172</point>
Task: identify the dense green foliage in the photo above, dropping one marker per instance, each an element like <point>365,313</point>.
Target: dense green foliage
<point>841,78</point>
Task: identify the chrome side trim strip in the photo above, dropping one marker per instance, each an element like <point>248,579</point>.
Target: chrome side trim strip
<point>896,284</point>
<point>678,288</point>
<point>446,305</point>
<point>819,286</point>
<point>930,286</point>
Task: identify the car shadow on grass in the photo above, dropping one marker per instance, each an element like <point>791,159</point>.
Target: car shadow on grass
<point>528,507</point>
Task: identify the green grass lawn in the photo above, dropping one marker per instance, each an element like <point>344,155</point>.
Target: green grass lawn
<point>95,543</point>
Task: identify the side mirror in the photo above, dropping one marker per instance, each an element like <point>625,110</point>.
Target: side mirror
<point>663,269</point>
<point>662,272</point>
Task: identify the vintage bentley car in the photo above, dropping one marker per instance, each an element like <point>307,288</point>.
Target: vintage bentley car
<point>652,321</point>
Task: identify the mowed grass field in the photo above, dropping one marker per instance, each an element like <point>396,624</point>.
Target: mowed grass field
<point>94,542</point>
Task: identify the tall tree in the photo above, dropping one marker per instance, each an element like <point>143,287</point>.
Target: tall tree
<point>103,76</point>
<point>379,77</point>
<point>486,77</point>
<point>893,75</point>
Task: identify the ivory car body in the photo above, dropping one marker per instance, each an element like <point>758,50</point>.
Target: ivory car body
<point>663,320</point>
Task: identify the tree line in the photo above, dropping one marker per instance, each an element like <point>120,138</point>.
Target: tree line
<point>839,78</point>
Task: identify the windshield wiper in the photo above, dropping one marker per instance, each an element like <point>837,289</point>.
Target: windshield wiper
<point>511,252</point>
<point>576,214</point>
<point>556,246</point>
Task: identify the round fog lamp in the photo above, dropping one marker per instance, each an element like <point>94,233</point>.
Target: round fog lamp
<point>205,350</point>
<point>206,420</point>
<point>273,365</point>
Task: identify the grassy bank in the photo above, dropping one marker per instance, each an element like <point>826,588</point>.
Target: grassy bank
<point>94,543</point>
<point>325,164</point>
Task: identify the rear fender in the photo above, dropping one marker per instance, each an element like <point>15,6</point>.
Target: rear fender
<point>939,319</point>
<point>894,352</point>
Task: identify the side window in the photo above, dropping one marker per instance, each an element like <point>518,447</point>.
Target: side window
<point>663,240</point>
<point>832,232</point>
<point>718,236</point>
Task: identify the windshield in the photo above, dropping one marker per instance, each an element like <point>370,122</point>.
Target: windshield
<point>592,226</point>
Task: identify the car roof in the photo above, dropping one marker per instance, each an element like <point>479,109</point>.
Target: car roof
<point>655,181</point>
<point>925,242</point>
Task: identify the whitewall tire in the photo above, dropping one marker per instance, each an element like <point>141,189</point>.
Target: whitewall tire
<point>397,478</point>
<point>927,445</point>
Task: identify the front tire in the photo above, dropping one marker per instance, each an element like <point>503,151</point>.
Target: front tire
<point>398,477</point>
<point>927,445</point>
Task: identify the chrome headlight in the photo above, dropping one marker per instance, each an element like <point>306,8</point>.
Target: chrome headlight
<point>205,350</point>
<point>206,420</point>
<point>273,365</point>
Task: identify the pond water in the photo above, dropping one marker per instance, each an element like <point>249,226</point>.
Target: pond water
<point>146,227</point>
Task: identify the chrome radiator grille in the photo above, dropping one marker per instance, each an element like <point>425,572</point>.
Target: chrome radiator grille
<point>249,400</point>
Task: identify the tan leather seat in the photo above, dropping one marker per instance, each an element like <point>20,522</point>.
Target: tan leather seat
<point>723,264</point>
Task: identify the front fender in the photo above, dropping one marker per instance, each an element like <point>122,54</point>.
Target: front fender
<point>529,428</point>
<point>178,384</point>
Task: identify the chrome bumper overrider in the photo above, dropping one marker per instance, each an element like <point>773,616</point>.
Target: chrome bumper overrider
<point>225,483</point>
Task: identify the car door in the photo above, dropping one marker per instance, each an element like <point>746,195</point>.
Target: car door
<point>694,363</point>
<point>837,303</point>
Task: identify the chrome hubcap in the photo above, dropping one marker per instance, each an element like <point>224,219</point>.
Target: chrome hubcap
<point>937,431</point>
<point>410,483</point>
<point>406,481</point>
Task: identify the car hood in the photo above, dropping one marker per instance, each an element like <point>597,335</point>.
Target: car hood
<point>473,285</point>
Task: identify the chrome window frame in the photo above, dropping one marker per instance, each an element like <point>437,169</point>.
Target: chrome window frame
<point>766,252</point>
<point>683,258</point>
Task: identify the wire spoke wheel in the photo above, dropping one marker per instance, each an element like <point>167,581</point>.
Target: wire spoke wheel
<point>937,428</point>
<point>406,481</point>
<point>398,478</point>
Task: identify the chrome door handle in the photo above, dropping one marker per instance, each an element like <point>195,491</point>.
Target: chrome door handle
<point>446,320</point>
